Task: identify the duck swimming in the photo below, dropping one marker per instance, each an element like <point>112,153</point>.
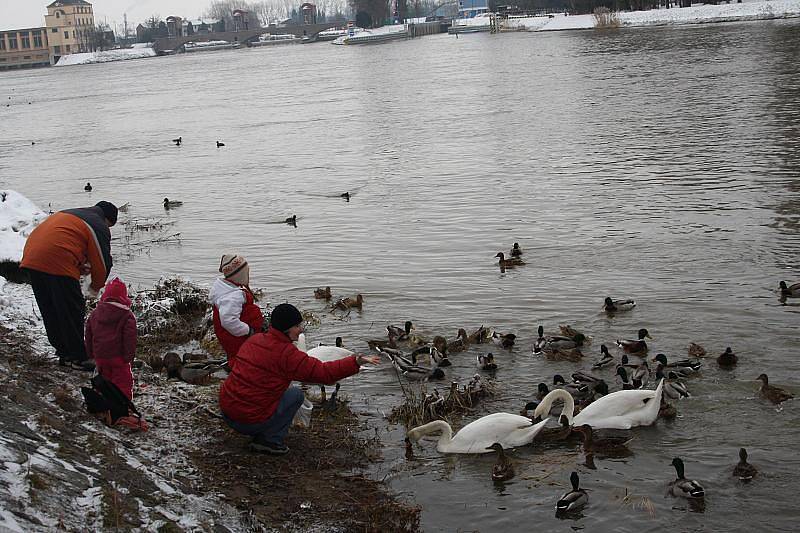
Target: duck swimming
<point>292,220</point>
<point>683,368</point>
<point>486,362</point>
<point>220,145</point>
<point>695,350</point>
<point>619,410</point>
<point>673,389</point>
<point>516,251</point>
<point>322,294</point>
<point>635,347</point>
<point>504,340</point>
<point>511,262</point>
<point>744,470</point>
<point>774,394</point>
<point>87,187</point>
<point>506,429</point>
<point>401,334</point>
<point>459,344</point>
<point>727,359</point>
<point>178,141</point>
<point>616,306</point>
<point>790,291</point>
<point>606,445</point>
<point>682,487</point>
<point>348,303</point>
<point>605,358</point>
<point>503,470</point>
<point>168,204</point>
<point>574,500</point>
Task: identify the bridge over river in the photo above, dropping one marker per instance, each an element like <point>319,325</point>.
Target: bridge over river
<point>168,44</point>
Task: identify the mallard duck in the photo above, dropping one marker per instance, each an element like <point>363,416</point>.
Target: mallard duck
<point>560,348</point>
<point>605,445</point>
<point>790,291</point>
<point>292,220</point>
<point>744,470</point>
<point>507,429</point>
<point>220,144</point>
<point>774,394</point>
<point>486,362</point>
<point>695,350</point>
<point>178,141</point>
<point>641,375</point>
<point>559,434</point>
<point>479,335</point>
<point>502,470</point>
<point>666,410</point>
<point>349,303</point>
<point>401,334</point>
<point>322,294</point>
<point>623,375</point>
<point>379,344</point>
<point>635,347</point>
<point>516,251</point>
<point>169,204</point>
<point>683,368</point>
<point>459,344</point>
<point>727,359</point>
<point>434,355</point>
<point>576,390</point>
<point>574,500</point>
<point>682,487</point>
<point>605,358</point>
<point>673,389</point>
<point>87,187</point>
<point>582,377</point>
<point>619,410</point>
<point>339,343</point>
<point>511,262</point>
<point>412,371</point>
<point>440,343</point>
<point>570,332</point>
<point>505,340</point>
<point>616,306</point>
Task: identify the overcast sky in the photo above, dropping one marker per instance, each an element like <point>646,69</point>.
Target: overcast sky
<point>30,13</point>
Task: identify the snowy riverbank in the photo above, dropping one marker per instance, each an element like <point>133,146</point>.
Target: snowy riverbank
<point>105,57</point>
<point>697,14</point>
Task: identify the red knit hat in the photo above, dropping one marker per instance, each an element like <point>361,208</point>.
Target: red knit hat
<point>116,291</point>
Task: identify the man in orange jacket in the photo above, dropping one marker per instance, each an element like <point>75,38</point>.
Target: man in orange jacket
<point>64,246</point>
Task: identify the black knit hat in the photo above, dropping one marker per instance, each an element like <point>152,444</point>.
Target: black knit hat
<point>284,316</point>
<point>109,211</point>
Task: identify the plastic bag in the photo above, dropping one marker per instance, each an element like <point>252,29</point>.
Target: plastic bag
<point>302,418</point>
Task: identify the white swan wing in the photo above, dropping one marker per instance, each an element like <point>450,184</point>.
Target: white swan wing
<point>508,429</point>
<point>622,409</point>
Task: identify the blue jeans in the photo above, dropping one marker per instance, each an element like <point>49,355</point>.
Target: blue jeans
<point>274,428</point>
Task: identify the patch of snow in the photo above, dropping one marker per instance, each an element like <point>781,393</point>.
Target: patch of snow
<point>92,498</point>
<point>8,522</point>
<point>18,218</point>
<point>697,14</point>
<point>104,57</point>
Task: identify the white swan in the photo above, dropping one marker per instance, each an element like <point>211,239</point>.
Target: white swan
<point>507,429</point>
<point>619,410</point>
<point>322,353</point>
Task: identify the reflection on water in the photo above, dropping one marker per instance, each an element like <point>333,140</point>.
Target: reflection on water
<point>659,164</point>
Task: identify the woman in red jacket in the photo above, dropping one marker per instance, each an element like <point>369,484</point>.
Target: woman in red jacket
<point>257,400</point>
<point>111,336</point>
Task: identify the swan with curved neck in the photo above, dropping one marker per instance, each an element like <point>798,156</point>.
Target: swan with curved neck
<point>507,429</point>
<point>619,410</point>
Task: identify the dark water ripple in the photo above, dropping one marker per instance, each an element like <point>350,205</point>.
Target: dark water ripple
<point>660,164</point>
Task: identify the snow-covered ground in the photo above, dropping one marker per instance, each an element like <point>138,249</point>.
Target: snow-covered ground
<point>697,14</point>
<point>105,57</point>
<point>18,217</point>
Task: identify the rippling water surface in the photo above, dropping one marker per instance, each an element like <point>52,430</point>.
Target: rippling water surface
<point>660,164</point>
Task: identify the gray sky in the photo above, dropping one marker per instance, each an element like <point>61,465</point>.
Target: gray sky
<point>30,13</point>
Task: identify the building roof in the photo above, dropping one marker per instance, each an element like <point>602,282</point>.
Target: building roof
<point>59,3</point>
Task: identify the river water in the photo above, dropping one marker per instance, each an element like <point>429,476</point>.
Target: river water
<point>660,164</point>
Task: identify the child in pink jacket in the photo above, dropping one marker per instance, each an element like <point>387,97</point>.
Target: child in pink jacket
<point>111,336</point>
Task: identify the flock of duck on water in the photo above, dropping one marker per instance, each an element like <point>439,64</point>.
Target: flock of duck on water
<point>585,407</point>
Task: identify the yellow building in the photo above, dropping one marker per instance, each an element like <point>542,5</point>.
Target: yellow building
<point>24,48</point>
<point>70,27</point>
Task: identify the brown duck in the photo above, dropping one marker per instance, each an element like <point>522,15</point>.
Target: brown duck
<point>349,303</point>
<point>774,394</point>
